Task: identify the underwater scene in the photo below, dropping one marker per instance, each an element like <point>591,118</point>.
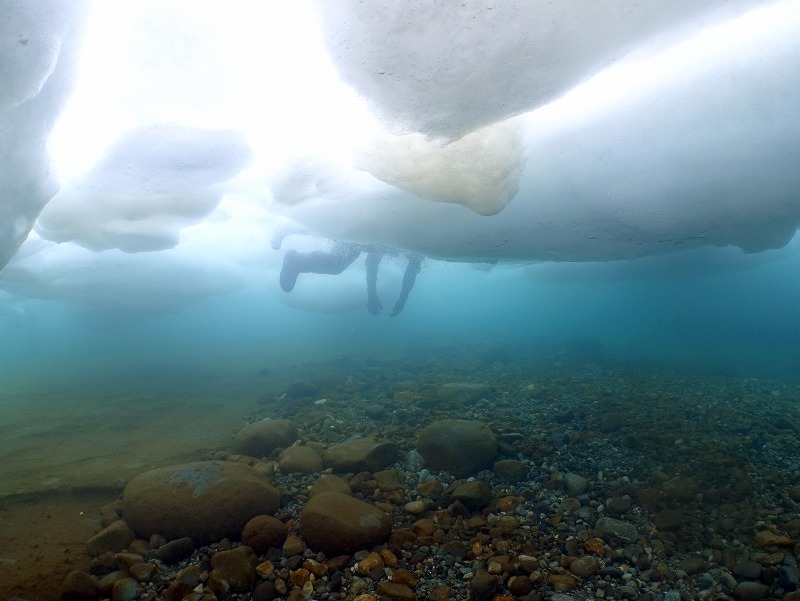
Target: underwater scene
<point>392,301</point>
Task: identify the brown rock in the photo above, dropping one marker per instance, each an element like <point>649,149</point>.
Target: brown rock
<point>562,582</point>
<point>263,533</point>
<point>143,572</point>
<point>260,438</point>
<point>236,567</point>
<point>293,545</point>
<point>329,483</point>
<point>459,446</point>
<point>114,538</point>
<point>585,566</point>
<point>402,576</point>
<point>364,454</point>
<point>126,560</point>
<point>473,494</point>
<point>79,586</point>
<point>299,460</point>
<point>432,489</point>
<point>338,524</point>
<point>371,562</point>
<point>205,501</point>
<point>388,480</point>
<point>395,591</point>
<point>766,538</point>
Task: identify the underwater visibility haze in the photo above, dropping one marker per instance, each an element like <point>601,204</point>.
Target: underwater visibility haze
<point>204,204</point>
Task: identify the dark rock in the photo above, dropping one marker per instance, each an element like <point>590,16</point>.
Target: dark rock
<point>375,411</point>
<point>605,527</point>
<point>363,454</point>
<point>106,584</point>
<point>79,586</point>
<point>263,533</point>
<point>751,591</point>
<point>475,493</point>
<point>124,590</point>
<point>668,520</point>
<point>113,538</point>
<point>175,550</point>
<point>459,392</point>
<point>338,524</point>
<point>265,592</point>
<point>692,565</point>
<point>302,390</point>
<point>747,569</point>
<point>461,447</point>
<point>789,577</point>
<point>260,438</point>
<point>183,584</point>
<point>482,586</point>
<point>205,501</point>
<point>511,470</point>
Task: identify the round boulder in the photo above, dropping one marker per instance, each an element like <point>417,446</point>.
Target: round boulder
<point>338,524</point>
<point>459,446</point>
<point>205,501</point>
<point>263,533</point>
<point>260,438</point>
<point>299,460</point>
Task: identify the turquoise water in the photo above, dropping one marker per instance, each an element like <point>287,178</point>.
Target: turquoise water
<point>742,321</point>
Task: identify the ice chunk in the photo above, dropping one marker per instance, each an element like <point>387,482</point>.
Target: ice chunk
<point>448,67</point>
<point>154,181</point>
<point>38,50</point>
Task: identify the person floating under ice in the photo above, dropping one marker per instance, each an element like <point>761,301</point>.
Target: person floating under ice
<point>339,258</point>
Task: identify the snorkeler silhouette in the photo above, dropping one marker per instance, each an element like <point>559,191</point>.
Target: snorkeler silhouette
<point>339,258</point>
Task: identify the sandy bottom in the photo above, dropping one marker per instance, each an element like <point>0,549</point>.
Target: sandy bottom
<point>69,448</point>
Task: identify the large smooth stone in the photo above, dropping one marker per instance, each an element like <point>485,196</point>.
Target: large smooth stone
<point>206,500</point>
<point>459,446</point>
<point>260,438</point>
<point>363,454</point>
<point>339,524</point>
